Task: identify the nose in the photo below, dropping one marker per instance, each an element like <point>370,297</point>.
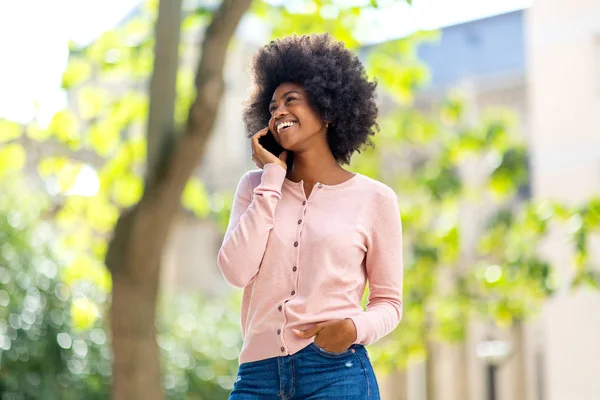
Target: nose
<point>280,112</point>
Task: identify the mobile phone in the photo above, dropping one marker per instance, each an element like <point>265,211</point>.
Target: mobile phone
<point>270,144</point>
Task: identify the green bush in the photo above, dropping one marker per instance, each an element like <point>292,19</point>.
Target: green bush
<point>54,342</point>
<point>42,356</point>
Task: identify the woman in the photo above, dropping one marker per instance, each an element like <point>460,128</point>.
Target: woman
<point>305,234</point>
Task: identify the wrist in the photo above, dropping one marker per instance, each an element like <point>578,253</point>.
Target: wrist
<point>281,164</point>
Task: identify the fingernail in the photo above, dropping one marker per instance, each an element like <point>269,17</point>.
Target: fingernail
<point>297,331</point>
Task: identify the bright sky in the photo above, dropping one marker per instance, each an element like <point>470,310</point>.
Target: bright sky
<point>34,35</point>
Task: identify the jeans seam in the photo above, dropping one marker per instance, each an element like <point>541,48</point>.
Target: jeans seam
<point>293,389</point>
<point>362,364</point>
<point>281,395</point>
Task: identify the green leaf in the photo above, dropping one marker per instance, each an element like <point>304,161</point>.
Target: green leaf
<point>195,198</point>
<point>86,268</point>
<point>137,29</point>
<point>9,130</point>
<point>63,169</point>
<point>442,180</point>
<point>84,314</point>
<point>193,22</point>
<point>502,185</point>
<point>128,190</point>
<point>141,66</point>
<point>185,95</point>
<point>12,158</point>
<point>65,127</point>
<point>452,110</point>
<point>132,108</point>
<point>592,217</point>
<point>78,70</point>
<point>79,238</point>
<point>51,165</point>
<point>137,148</point>
<point>510,173</point>
<point>91,101</point>
<point>104,137</point>
<point>593,279</point>
<point>34,132</point>
<point>100,213</point>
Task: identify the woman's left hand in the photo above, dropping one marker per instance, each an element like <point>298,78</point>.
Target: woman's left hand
<point>334,336</point>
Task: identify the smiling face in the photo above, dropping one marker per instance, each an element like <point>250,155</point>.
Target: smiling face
<point>294,123</point>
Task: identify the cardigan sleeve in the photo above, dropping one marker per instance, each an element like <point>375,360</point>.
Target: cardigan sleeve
<point>385,275</point>
<point>250,224</point>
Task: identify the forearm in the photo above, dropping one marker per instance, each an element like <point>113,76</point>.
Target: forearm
<point>377,321</point>
<point>385,275</point>
<point>245,241</point>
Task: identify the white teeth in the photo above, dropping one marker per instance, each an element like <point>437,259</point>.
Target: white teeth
<point>284,125</point>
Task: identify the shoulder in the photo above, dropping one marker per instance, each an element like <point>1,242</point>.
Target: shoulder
<point>271,178</point>
<point>377,191</point>
<point>381,207</point>
<point>380,202</point>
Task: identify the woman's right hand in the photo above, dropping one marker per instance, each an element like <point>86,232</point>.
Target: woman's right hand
<point>261,156</point>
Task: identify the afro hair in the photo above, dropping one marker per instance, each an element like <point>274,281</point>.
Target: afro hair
<point>336,84</point>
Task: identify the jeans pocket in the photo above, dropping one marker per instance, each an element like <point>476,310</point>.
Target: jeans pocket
<point>330,354</point>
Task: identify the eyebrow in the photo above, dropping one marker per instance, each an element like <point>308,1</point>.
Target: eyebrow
<point>285,94</point>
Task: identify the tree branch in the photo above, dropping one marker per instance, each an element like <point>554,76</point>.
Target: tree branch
<point>217,36</point>
<point>161,198</point>
<point>163,85</point>
<point>188,150</point>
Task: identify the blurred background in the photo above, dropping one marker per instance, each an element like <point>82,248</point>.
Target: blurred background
<point>489,135</point>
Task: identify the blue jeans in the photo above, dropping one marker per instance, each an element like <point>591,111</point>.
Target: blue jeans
<point>310,374</point>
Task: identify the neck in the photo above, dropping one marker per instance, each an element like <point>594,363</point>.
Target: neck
<point>315,165</point>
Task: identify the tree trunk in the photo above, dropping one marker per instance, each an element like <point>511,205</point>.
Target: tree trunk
<point>134,253</point>
<point>463,365</point>
<point>519,359</point>
<point>163,85</point>
<point>430,375</point>
<point>394,385</point>
<point>430,370</point>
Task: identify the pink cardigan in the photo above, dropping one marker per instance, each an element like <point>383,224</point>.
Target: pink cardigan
<point>304,261</point>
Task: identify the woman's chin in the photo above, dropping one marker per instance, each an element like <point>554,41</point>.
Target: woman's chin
<point>287,145</point>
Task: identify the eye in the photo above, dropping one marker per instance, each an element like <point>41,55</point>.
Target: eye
<point>290,99</point>
<point>272,108</point>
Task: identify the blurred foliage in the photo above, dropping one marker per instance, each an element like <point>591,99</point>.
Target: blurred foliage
<point>199,344</point>
<point>54,288</point>
<point>54,342</point>
<point>472,235</point>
